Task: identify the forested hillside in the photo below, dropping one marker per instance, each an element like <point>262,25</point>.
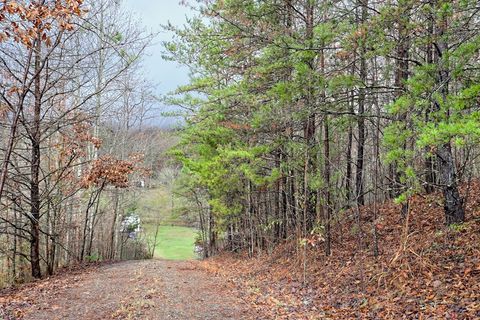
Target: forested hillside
<point>304,110</point>
<point>342,136</point>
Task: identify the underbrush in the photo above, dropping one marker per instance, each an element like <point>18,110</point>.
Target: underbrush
<point>423,270</point>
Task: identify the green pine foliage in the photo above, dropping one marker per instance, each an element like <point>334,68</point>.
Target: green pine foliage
<point>266,76</point>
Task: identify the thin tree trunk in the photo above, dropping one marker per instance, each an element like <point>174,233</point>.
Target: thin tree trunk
<point>309,131</point>
<point>35,172</point>
<point>349,159</point>
<point>401,76</point>
<point>114,228</point>
<point>328,204</point>
<point>359,177</point>
<point>92,228</point>
<point>430,175</point>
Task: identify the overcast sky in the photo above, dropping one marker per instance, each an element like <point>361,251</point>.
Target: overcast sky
<point>152,14</point>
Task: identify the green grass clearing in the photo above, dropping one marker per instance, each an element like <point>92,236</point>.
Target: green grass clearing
<point>174,243</point>
<point>156,206</point>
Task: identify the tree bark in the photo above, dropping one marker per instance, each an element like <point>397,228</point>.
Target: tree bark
<point>35,172</point>
<point>430,174</point>
<point>401,76</point>
<point>453,206</point>
<point>359,183</point>
<point>309,130</point>
<point>328,205</point>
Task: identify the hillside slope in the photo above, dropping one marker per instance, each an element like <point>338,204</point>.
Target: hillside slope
<point>425,270</point>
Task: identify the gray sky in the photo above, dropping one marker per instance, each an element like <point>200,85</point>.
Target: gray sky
<point>153,13</point>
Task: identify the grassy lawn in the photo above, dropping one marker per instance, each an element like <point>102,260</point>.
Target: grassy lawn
<point>156,206</point>
<point>174,243</point>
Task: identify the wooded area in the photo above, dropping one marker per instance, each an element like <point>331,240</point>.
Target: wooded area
<point>75,130</point>
<point>333,143</point>
<point>303,111</point>
<point>336,142</point>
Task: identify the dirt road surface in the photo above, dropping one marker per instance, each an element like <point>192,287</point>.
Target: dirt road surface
<point>152,289</point>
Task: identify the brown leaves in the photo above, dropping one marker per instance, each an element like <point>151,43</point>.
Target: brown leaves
<point>108,170</point>
<point>433,273</point>
<point>3,111</point>
<point>74,143</point>
<point>235,126</point>
<point>27,21</point>
<point>16,303</point>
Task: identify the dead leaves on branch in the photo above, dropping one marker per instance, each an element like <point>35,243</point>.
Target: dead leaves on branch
<point>26,21</point>
<point>75,143</point>
<point>107,170</point>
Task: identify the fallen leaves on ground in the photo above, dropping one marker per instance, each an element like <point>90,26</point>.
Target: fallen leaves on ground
<point>425,270</point>
<point>16,302</point>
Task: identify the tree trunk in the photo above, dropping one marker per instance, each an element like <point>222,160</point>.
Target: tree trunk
<point>328,205</point>
<point>113,246</point>
<point>430,174</point>
<point>35,172</point>
<point>309,131</point>
<point>454,211</point>
<point>348,160</point>
<point>359,183</point>
<point>401,76</point>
